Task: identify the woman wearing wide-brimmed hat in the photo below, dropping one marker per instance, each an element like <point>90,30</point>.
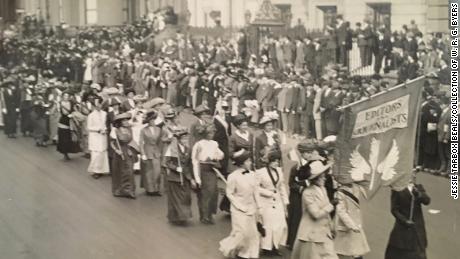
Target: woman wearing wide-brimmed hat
<point>274,201</point>
<point>151,145</point>
<point>314,236</point>
<point>243,193</point>
<point>298,181</point>
<point>205,158</point>
<point>268,139</point>
<point>124,157</point>
<point>178,179</point>
<point>241,138</point>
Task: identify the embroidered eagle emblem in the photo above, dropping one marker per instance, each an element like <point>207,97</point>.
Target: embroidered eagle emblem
<point>362,169</point>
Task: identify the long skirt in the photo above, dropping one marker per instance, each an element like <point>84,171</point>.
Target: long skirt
<point>294,217</point>
<point>179,201</point>
<point>99,163</point>
<point>312,250</point>
<point>65,143</point>
<point>351,243</point>
<point>40,129</point>
<point>398,253</point>
<point>26,121</point>
<point>11,122</point>
<point>151,175</point>
<point>123,176</point>
<point>207,195</point>
<point>244,240</point>
<point>53,126</point>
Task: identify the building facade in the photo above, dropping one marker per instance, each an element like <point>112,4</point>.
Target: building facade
<point>430,15</point>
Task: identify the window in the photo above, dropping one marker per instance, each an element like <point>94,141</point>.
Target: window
<point>91,11</point>
<point>329,12</point>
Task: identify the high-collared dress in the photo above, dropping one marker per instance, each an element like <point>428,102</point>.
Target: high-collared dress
<point>178,188</point>
<point>151,146</point>
<point>244,239</point>
<point>122,165</point>
<point>97,142</point>
<point>206,156</point>
<point>274,199</point>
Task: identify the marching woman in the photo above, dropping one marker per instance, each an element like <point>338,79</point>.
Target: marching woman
<point>314,236</point>
<point>67,135</point>
<point>97,140</point>
<point>241,137</point>
<point>350,241</point>
<point>205,158</point>
<point>408,238</point>
<point>242,191</point>
<point>274,201</point>
<point>39,119</point>
<point>178,177</point>
<point>124,157</point>
<point>151,145</point>
<point>267,140</point>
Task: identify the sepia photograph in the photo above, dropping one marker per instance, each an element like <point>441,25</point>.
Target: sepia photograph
<point>214,129</point>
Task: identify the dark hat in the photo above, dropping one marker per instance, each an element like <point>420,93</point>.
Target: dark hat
<point>274,155</point>
<point>130,90</point>
<point>201,109</point>
<point>150,115</point>
<point>181,132</point>
<point>240,156</point>
<point>239,119</point>
<point>122,116</point>
<point>307,146</point>
<point>170,113</point>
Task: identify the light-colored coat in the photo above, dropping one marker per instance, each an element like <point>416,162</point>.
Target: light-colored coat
<point>315,225</point>
<point>348,217</point>
<point>273,202</point>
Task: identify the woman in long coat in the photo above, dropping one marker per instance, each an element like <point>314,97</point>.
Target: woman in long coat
<point>408,238</point>
<point>274,201</point>
<point>39,118</point>
<point>350,240</point>
<point>242,191</point>
<point>151,145</point>
<point>268,139</point>
<point>314,236</point>
<point>205,157</point>
<point>124,157</point>
<point>67,135</point>
<point>178,180</point>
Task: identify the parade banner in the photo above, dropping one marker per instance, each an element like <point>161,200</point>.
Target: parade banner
<point>376,143</point>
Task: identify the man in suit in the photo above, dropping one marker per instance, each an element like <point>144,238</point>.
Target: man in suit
<point>264,94</point>
<point>305,108</point>
<point>129,103</point>
<point>310,54</point>
<point>362,43</point>
<point>369,40</point>
<point>11,98</point>
<point>408,237</point>
<point>444,137</point>
<point>382,49</point>
<point>430,113</point>
<point>342,33</point>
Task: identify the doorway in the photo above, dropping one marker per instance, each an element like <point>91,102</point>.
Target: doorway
<point>379,14</point>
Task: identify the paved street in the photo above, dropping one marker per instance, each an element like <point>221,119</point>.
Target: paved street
<point>53,209</point>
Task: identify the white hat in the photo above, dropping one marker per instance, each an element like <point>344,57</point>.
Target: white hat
<point>330,138</point>
<point>317,168</point>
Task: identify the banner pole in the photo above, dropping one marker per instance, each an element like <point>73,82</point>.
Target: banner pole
<point>417,138</point>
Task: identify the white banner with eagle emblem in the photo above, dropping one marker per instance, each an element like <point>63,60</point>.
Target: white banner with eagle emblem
<point>376,143</point>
